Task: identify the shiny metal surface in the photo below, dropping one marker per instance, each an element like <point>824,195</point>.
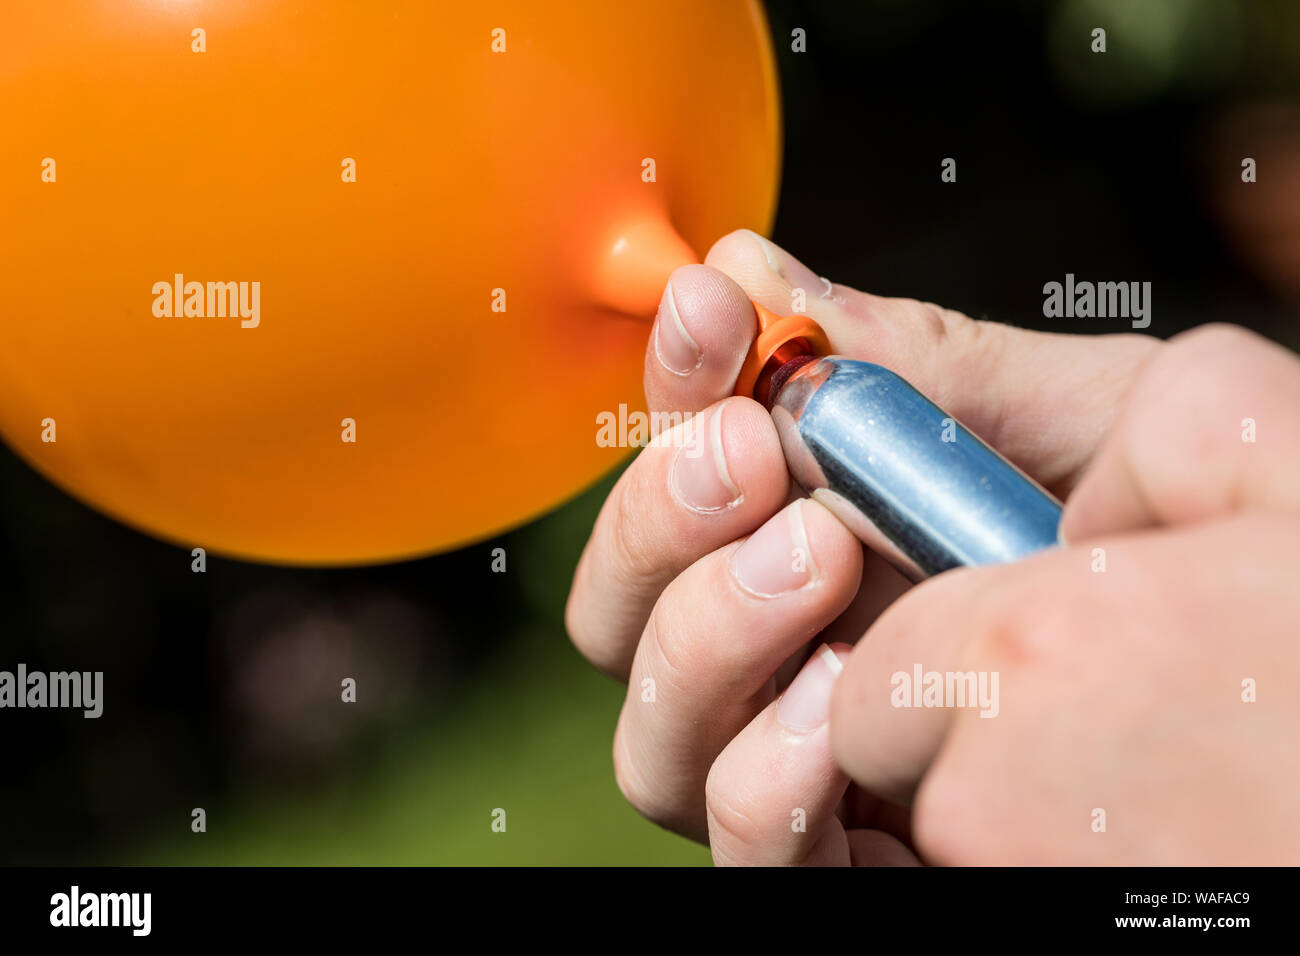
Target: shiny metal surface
<point>903,475</point>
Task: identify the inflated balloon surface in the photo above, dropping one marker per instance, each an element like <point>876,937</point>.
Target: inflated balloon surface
<point>336,282</point>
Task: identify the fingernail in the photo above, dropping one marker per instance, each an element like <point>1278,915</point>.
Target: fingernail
<point>776,558</point>
<point>699,478</point>
<point>790,270</point>
<point>674,347</point>
<point>806,703</point>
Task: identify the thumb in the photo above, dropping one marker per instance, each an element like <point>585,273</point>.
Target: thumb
<point>1043,400</point>
<point>1208,428</point>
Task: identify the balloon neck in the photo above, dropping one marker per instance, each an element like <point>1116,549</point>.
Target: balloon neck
<point>633,269</point>
<point>635,262</point>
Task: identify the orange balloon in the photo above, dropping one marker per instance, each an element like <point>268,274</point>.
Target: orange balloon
<point>236,235</point>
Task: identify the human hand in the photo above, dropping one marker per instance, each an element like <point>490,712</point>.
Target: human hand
<point>1146,707</point>
<point>692,587</point>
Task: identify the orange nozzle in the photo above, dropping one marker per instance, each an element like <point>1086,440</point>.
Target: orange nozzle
<point>780,340</point>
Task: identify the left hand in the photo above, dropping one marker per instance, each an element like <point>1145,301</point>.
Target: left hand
<point>1126,661</point>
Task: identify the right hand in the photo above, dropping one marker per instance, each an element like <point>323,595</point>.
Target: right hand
<point>688,581</point>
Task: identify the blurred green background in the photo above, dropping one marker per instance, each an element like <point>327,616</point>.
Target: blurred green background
<point>530,734</point>
<point>223,688</point>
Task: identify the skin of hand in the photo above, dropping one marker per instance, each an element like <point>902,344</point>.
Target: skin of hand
<point>760,641</point>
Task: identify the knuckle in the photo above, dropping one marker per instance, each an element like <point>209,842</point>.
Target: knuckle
<point>1025,631</point>
<point>1212,338</point>
<point>684,656</point>
<point>734,244</point>
<point>633,556</point>
<point>938,323</point>
<point>952,323</point>
<point>1201,351</point>
<point>583,629</point>
<point>692,651</point>
<point>644,798</point>
<point>1169,414</point>
<point>602,655</point>
<point>732,824</point>
<point>943,817</point>
<point>575,623</point>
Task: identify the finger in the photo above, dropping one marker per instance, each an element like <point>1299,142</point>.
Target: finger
<point>694,489</point>
<point>703,331</point>
<point>1209,427</point>
<point>1043,400</point>
<point>1122,694</point>
<point>995,646</point>
<point>877,736</point>
<point>700,338</point>
<point>878,848</point>
<point>704,667</point>
<point>771,794</point>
